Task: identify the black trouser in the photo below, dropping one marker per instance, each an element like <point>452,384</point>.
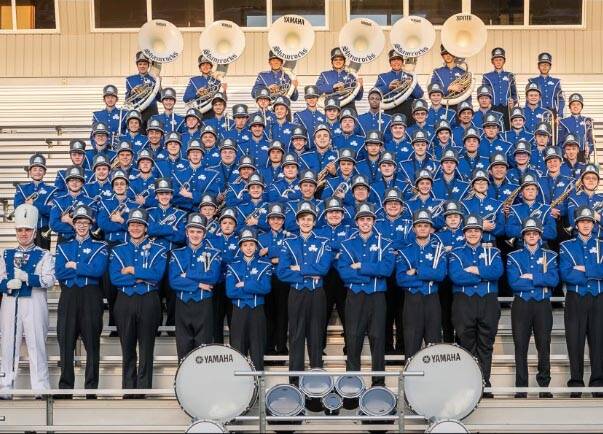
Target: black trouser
<point>504,290</point>
<point>503,109</point>
<point>166,293</point>
<point>137,318</point>
<point>475,320</point>
<point>336,293</point>
<point>146,114</point>
<point>306,323</point>
<point>445,295</point>
<point>222,308</point>
<point>365,314</point>
<point>527,317</point>
<point>275,308</point>
<point>248,333</point>
<point>80,314</point>
<point>394,299</point>
<point>584,321</point>
<point>350,105</point>
<point>422,317</point>
<point>109,290</point>
<point>405,108</point>
<point>40,241</point>
<point>194,325</point>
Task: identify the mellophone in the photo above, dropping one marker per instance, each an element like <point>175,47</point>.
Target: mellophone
<point>291,37</point>
<point>208,390</point>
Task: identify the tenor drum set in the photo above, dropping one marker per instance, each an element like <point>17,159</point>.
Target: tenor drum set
<point>215,385</point>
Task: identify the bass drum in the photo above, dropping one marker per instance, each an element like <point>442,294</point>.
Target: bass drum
<point>206,426</point>
<point>447,426</point>
<point>451,386</point>
<point>206,387</point>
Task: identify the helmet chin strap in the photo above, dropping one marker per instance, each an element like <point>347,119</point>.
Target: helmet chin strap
<point>30,240</point>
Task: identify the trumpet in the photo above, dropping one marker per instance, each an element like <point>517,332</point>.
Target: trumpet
<point>342,189</point>
<point>31,197</point>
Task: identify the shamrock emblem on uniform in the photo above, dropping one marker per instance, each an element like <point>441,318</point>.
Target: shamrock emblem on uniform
<point>313,248</point>
<point>253,271</point>
<point>429,256</point>
<point>373,248</point>
<point>87,250</point>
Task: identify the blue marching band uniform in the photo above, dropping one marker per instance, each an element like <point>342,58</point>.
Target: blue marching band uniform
<point>388,212</point>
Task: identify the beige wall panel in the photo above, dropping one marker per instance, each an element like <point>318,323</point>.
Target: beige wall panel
<point>77,53</point>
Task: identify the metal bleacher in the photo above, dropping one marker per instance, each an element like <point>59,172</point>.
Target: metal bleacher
<point>64,112</point>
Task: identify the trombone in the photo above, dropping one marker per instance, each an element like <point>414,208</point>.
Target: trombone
<point>31,197</point>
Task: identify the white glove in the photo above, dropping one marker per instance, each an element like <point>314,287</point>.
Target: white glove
<point>21,275</point>
<point>13,284</point>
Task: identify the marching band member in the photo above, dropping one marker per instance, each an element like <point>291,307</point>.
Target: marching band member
<point>503,85</point>
<point>542,139</point>
<point>113,210</point>
<point>534,111</point>
<point>420,267</point>
<point>227,167</point>
<point>239,131</point>
<point>276,80</point>
<point>365,262</point>
<point>193,271</point>
<point>581,270</point>
<point>225,240</point>
<point>552,94</point>
<point>287,188</point>
<point>474,269</point>
<point>170,159</point>
<point>326,156</point>
<point>136,267</point>
<point>155,133</point>
<point>499,188</point>
<point>531,207</point>
<point>423,197</point>
<point>572,166</point>
<point>445,75</point>
<point>38,194</point>
<point>61,213</point>
<point>338,81</point>
<point>419,115</point>
<point>135,82</point>
<point>253,211</point>
<point>100,144</point>
<point>110,116</point>
<point>77,155</point>
<point>374,118</point>
<point>464,121</point>
<point>578,125</point>
<point>208,208</point>
<point>532,273</point>
<point>348,137</point>
<point>522,153</point>
<point>124,158</point>
<point>304,261</point>
<point>488,208</point>
<point>332,110</point>
<point>26,271</point>
<point>237,190</point>
<point>100,183</point>
<point>448,184</point>
<point>135,127</point>
<point>361,192</point>
<point>553,184</point>
<point>169,119</point>
<point>281,128</point>
<point>210,149</point>
<point>369,166</point>
<point>247,283</point>
<point>257,144</point>
<point>399,140</point>
<point>442,140</point>
<point>470,159</point>
<point>587,196</point>
<point>219,118</point>
<point>192,123</point>
<point>518,130</point>
<point>202,86</point>
<point>437,112</point>
<point>143,182</point>
<point>389,81</point>
<point>491,140</point>
<point>80,265</point>
<point>387,177</point>
<point>273,169</point>
<point>269,244</point>
<point>484,100</point>
<point>310,116</point>
<point>420,159</point>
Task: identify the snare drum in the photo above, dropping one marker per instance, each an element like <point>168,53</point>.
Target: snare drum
<point>284,400</point>
<point>447,426</point>
<point>206,426</point>
<point>350,387</point>
<point>206,387</point>
<point>452,384</point>
<point>378,401</point>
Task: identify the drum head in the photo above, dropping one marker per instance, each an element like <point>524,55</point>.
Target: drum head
<point>332,401</point>
<point>378,401</point>
<point>350,386</point>
<point>206,426</point>
<point>447,426</point>
<point>316,386</point>
<point>284,400</point>
<point>207,388</point>
<point>451,387</point>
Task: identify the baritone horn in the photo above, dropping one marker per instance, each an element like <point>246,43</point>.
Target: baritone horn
<point>221,43</point>
<point>463,35</point>
<point>361,41</point>
<point>161,42</point>
<point>411,37</point>
<point>291,38</point>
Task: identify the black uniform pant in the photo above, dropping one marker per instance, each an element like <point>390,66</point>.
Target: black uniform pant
<point>365,314</point>
<point>80,314</point>
<point>137,318</point>
<point>222,308</point>
<point>275,308</point>
<point>422,318</point>
<point>40,241</point>
<point>109,290</point>
<point>394,299</point>
<point>166,293</point>
<point>584,321</point>
<point>336,294</point>
<point>194,325</point>
<point>504,289</point>
<point>446,300</point>
<point>503,109</point>
<point>248,333</point>
<point>307,321</point>
<point>146,114</point>
<point>405,108</point>
<point>475,320</point>
<point>529,317</point>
